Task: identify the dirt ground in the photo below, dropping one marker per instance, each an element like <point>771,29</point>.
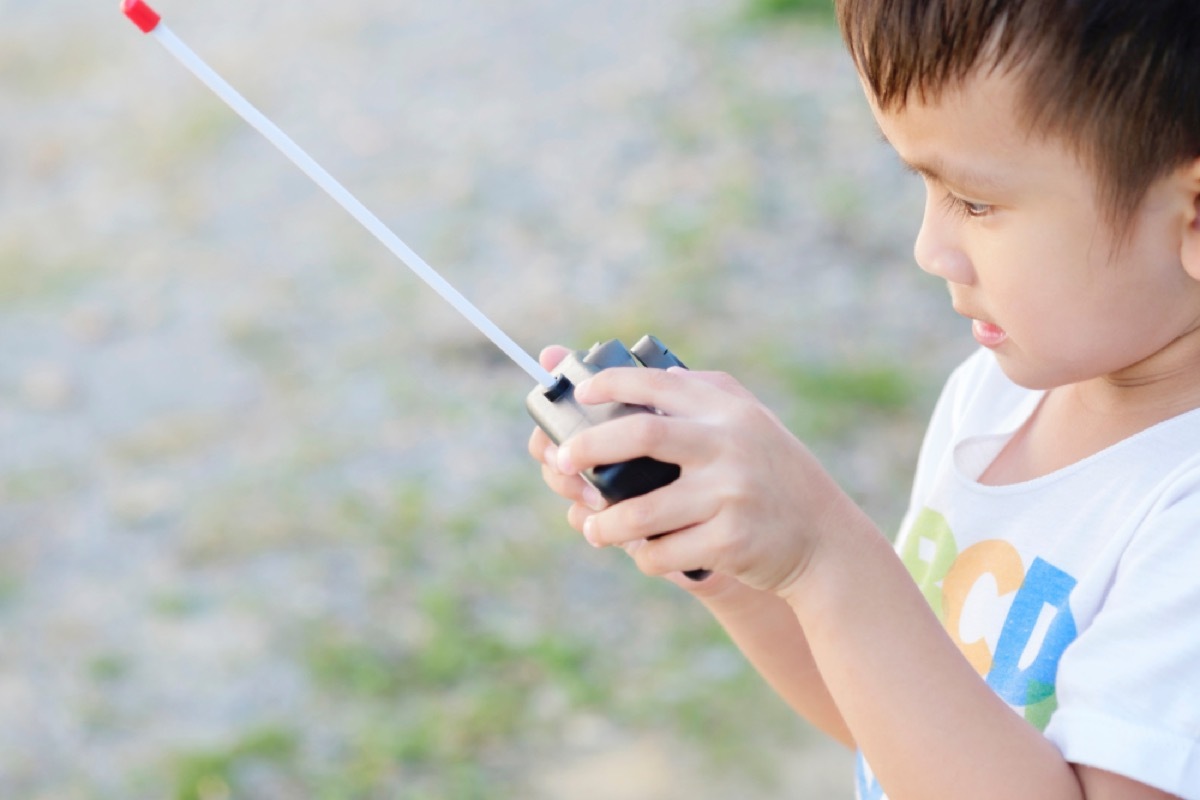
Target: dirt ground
<point>267,526</point>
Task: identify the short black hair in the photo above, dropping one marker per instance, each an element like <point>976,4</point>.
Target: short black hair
<point>1118,80</point>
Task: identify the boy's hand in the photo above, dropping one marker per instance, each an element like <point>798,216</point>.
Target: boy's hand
<point>585,500</point>
<point>751,502</point>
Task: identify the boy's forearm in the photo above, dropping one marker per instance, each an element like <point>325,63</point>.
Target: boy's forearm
<point>767,632</point>
<point>928,725</point>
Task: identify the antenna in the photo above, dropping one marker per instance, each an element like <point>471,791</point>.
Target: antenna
<point>149,22</point>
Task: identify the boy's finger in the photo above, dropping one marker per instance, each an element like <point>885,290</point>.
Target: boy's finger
<point>673,508</point>
<point>541,447</point>
<point>671,553</point>
<point>572,487</point>
<point>577,515</point>
<point>550,356</point>
<point>673,440</point>
<point>673,391</point>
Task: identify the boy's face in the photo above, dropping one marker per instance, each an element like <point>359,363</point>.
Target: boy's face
<point>1013,224</point>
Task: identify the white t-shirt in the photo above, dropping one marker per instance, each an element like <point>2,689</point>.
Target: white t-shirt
<point>1076,594</point>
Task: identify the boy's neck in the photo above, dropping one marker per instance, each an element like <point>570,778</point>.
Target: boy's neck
<point>1160,387</point>
<point>1079,420</point>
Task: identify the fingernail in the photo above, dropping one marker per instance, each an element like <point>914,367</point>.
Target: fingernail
<point>589,531</point>
<point>592,498</point>
<point>581,390</point>
<point>550,455</point>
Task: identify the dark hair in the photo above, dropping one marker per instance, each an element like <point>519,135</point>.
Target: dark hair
<point>1118,80</point>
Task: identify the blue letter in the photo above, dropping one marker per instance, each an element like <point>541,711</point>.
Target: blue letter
<point>1044,585</point>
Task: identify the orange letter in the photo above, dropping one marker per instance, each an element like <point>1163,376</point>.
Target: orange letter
<point>994,557</point>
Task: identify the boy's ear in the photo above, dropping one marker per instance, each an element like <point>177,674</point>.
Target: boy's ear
<point>1190,249</point>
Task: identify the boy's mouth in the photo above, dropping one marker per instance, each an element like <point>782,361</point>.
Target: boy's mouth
<point>987,334</point>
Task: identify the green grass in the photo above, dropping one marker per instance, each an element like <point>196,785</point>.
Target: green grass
<point>215,774</point>
<point>173,436</point>
<point>458,651</point>
<point>302,499</point>
<point>39,484</point>
<point>267,345</point>
<point>814,10</point>
<point>29,276</point>
<point>199,128</point>
<point>830,400</point>
<point>843,203</point>
<point>10,588</point>
<point>435,712</point>
<point>879,387</point>
<point>109,668</point>
<point>177,604</point>
<point>699,689</point>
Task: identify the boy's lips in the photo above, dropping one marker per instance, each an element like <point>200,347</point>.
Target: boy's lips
<point>987,334</point>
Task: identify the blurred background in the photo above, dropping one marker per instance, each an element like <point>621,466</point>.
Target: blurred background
<point>267,524</point>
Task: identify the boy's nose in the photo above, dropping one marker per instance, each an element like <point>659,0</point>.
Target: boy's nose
<point>936,248</point>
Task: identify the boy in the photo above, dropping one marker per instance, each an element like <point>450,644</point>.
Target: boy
<point>1054,531</point>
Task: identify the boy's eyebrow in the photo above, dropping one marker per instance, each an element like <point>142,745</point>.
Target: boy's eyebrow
<point>945,174</point>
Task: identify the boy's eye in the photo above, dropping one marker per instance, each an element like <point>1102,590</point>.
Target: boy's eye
<point>966,208</point>
<point>975,209</point>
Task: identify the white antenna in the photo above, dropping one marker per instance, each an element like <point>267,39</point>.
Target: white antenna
<point>149,22</point>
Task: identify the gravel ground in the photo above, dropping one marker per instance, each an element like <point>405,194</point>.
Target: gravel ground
<point>267,528</point>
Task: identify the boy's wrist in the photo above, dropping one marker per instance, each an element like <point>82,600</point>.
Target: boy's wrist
<point>725,596</point>
<point>836,558</point>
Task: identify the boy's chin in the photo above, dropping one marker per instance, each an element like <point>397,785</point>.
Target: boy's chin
<point>1025,377</point>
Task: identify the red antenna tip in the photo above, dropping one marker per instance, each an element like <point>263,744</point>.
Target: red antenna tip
<point>142,15</point>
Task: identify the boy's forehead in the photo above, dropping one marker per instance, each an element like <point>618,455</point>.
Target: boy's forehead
<point>971,134</point>
<point>964,172</point>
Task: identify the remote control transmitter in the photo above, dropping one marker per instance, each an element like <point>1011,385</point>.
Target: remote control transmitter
<point>560,415</point>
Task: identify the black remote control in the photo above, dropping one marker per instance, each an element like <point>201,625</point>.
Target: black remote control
<point>560,415</point>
